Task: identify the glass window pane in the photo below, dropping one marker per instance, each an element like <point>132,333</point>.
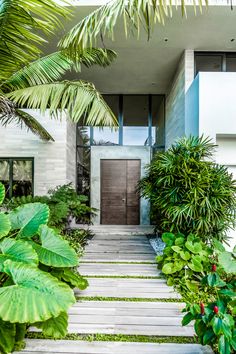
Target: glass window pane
<point>105,136</point>
<point>135,110</point>
<point>5,175</point>
<point>22,177</point>
<point>158,120</point>
<point>113,103</point>
<point>135,136</point>
<point>231,63</point>
<point>83,170</point>
<point>83,136</point>
<point>208,63</point>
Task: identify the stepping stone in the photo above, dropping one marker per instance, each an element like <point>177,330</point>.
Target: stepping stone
<point>119,269</point>
<point>37,346</point>
<point>128,288</point>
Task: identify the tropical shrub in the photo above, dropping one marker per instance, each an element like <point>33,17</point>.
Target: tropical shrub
<point>36,275</point>
<point>215,320</point>
<point>64,204</point>
<point>183,260</point>
<point>188,192</point>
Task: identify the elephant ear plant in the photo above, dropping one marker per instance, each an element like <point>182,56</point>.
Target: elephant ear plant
<point>36,275</point>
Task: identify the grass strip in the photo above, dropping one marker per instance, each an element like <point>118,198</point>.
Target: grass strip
<point>112,262</point>
<point>118,338</point>
<point>134,299</point>
<point>123,276</point>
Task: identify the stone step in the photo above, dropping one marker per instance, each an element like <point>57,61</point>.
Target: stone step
<point>117,257</point>
<point>119,269</point>
<point>38,346</point>
<point>128,288</point>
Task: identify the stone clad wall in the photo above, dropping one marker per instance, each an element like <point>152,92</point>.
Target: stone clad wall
<point>54,162</point>
<point>175,100</point>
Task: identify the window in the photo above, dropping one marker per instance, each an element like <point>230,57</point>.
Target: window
<point>17,176</point>
<point>215,62</point>
<point>135,120</point>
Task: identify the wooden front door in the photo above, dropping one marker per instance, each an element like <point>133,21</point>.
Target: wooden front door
<point>119,198</point>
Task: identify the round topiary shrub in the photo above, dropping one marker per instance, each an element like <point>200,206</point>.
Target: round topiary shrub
<point>189,193</point>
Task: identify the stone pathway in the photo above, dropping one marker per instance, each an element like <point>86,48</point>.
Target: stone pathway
<point>126,296</point>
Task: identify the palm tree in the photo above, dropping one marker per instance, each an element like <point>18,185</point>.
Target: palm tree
<point>135,14</point>
<point>28,80</point>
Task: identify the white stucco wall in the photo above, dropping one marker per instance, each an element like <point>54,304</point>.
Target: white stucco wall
<point>211,111</point>
<point>54,162</point>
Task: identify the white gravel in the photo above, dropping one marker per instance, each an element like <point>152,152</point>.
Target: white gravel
<point>157,244</point>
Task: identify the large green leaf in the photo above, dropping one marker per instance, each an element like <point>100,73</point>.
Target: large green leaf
<point>28,218</point>
<point>5,225</point>
<point>35,297</point>
<point>69,276</point>
<point>17,250</point>
<point>55,327</point>
<point>228,261</point>
<point>7,336</point>
<point>2,192</point>
<point>54,251</point>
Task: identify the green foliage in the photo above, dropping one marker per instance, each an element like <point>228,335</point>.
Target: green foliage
<point>188,192</point>
<point>183,259</point>
<point>215,321</point>
<point>36,276</point>
<point>63,202</point>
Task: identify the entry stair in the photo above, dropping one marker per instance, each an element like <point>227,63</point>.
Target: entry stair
<point>127,308</point>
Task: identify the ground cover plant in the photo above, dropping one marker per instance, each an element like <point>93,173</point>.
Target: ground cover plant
<point>189,193</point>
<point>37,275</point>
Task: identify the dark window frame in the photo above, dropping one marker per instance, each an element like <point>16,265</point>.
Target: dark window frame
<point>224,56</point>
<point>121,119</point>
<point>11,161</point>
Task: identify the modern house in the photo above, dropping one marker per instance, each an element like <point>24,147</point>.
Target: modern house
<point>180,82</point>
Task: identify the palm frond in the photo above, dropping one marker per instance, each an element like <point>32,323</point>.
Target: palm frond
<point>21,22</point>
<point>79,99</point>
<point>10,114</point>
<point>52,67</point>
<point>135,13</point>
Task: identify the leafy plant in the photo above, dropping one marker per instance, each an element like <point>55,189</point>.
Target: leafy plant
<point>28,80</point>
<point>36,275</point>
<point>188,192</point>
<point>183,259</point>
<point>64,204</point>
<point>215,321</point>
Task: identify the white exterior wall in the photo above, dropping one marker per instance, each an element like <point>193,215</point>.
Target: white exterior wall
<point>175,100</point>
<point>211,111</point>
<point>54,162</point>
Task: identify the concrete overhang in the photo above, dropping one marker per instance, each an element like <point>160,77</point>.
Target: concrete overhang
<point>148,66</point>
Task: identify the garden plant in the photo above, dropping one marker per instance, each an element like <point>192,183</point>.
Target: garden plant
<point>189,193</point>
<point>37,275</point>
<point>193,206</point>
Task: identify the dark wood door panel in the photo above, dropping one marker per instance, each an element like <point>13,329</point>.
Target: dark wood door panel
<point>119,197</point>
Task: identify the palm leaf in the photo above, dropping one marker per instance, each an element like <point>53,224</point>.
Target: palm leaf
<point>24,119</point>
<point>135,13</point>
<point>53,66</point>
<point>2,193</point>
<point>35,296</point>
<point>27,218</point>
<point>54,251</point>
<point>20,23</point>
<point>17,250</point>
<point>79,98</point>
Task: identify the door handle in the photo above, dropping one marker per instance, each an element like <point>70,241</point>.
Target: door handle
<point>123,199</point>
